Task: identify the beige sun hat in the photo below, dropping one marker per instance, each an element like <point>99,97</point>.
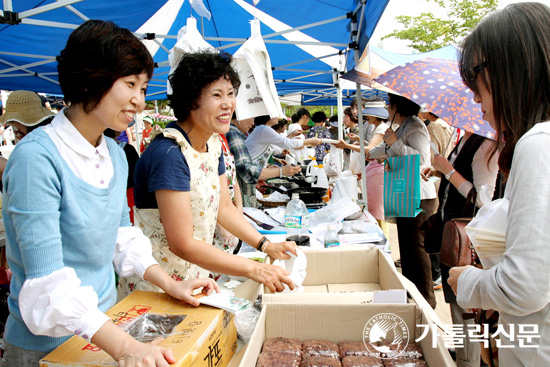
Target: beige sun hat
<point>26,108</point>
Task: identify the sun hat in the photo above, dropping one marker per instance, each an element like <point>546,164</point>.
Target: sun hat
<point>148,119</point>
<point>26,108</point>
<point>376,109</point>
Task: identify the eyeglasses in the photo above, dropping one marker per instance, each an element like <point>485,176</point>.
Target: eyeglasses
<point>474,71</point>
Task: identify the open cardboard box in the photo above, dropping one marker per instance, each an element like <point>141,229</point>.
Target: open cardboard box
<point>205,337</point>
<point>340,323</point>
<point>355,273</point>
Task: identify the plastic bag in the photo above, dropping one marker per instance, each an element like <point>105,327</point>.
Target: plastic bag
<point>246,321</point>
<point>355,162</point>
<point>149,326</point>
<point>333,212</point>
<point>332,162</point>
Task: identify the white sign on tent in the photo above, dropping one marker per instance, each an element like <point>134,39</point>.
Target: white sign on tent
<point>257,94</point>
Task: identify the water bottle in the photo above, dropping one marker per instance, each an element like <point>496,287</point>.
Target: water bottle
<point>331,237</point>
<point>296,218</point>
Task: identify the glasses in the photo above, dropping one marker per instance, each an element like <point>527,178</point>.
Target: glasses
<point>474,71</point>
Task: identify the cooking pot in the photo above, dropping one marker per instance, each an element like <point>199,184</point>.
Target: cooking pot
<point>307,194</point>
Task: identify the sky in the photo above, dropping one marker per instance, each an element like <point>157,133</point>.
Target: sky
<point>388,24</point>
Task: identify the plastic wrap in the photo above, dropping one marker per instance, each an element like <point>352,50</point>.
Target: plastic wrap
<point>149,327</point>
<point>245,322</point>
<point>324,348</point>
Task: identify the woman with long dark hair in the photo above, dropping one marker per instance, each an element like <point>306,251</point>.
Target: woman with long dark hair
<point>506,62</point>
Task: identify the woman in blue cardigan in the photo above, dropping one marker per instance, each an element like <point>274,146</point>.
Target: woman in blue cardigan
<point>65,209</point>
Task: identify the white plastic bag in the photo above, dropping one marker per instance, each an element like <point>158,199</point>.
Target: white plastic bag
<point>332,162</point>
<point>487,231</point>
<point>355,162</point>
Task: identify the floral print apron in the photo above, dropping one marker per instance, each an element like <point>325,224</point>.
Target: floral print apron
<point>224,240</point>
<point>205,200</point>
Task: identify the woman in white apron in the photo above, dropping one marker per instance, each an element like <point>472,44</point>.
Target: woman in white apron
<point>181,188</point>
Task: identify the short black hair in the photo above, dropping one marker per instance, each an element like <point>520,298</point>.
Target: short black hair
<point>261,120</point>
<point>403,106</point>
<point>96,55</point>
<point>319,116</point>
<point>195,72</point>
<point>301,112</point>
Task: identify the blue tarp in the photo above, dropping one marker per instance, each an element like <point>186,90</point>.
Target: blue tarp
<point>322,28</point>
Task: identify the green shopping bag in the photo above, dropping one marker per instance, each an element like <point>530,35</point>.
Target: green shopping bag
<point>402,186</point>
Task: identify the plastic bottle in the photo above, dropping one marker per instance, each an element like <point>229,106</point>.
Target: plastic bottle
<point>331,237</point>
<point>296,218</point>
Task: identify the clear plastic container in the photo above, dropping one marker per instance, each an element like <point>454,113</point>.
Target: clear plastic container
<point>331,237</point>
<point>296,218</point>
<point>296,214</point>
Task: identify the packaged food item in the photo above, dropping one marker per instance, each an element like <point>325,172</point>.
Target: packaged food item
<point>320,361</point>
<point>149,327</point>
<point>270,359</point>
<point>350,348</point>
<point>283,345</point>
<point>361,361</point>
<point>324,348</point>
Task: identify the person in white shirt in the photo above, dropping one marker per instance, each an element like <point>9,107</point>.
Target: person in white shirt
<point>65,209</point>
<point>506,63</point>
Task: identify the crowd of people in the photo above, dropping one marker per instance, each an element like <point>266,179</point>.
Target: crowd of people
<point>77,208</point>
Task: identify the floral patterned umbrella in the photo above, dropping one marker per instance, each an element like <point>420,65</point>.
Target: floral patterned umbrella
<point>435,84</point>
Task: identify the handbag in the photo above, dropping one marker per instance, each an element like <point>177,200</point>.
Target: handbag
<point>433,233</point>
<point>402,186</point>
<point>456,247</point>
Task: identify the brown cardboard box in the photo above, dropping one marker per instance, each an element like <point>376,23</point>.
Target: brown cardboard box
<point>361,270</point>
<point>206,337</point>
<point>339,322</point>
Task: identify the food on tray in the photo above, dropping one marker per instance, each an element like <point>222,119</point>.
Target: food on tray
<point>348,348</point>
<point>325,348</point>
<point>319,361</point>
<point>404,362</point>
<point>412,351</point>
<point>361,361</point>
<point>283,345</point>
<point>269,359</point>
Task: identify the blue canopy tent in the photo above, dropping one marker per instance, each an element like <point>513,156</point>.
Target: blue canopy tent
<point>308,41</point>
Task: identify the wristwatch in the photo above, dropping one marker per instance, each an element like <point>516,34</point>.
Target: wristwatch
<point>448,175</point>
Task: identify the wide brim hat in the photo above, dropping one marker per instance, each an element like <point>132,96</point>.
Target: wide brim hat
<point>376,109</point>
<point>25,107</point>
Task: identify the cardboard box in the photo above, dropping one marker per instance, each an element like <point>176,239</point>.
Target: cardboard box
<point>340,323</point>
<point>361,270</point>
<point>206,337</point>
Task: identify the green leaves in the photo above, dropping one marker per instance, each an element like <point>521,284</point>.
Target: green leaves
<point>427,32</point>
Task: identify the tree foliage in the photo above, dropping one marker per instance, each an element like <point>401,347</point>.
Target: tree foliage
<point>427,32</point>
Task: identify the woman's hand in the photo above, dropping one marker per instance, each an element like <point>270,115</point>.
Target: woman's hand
<point>390,137</point>
<point>184,290</point>
<point>290,170</point>
<point>127,351</point>
<point>273,277</point>
<point>454,273</point>
<point>353,137</point>
<point>341,144</point>
<point>278,250</point>
<point>146,355</point>
<point>427,172</point>
<point>312,142</point>
<point>441,164</point>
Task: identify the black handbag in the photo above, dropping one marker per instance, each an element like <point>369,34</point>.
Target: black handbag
<point>433,233</point>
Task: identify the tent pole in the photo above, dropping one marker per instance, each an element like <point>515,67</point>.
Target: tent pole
<point>340,118</point>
